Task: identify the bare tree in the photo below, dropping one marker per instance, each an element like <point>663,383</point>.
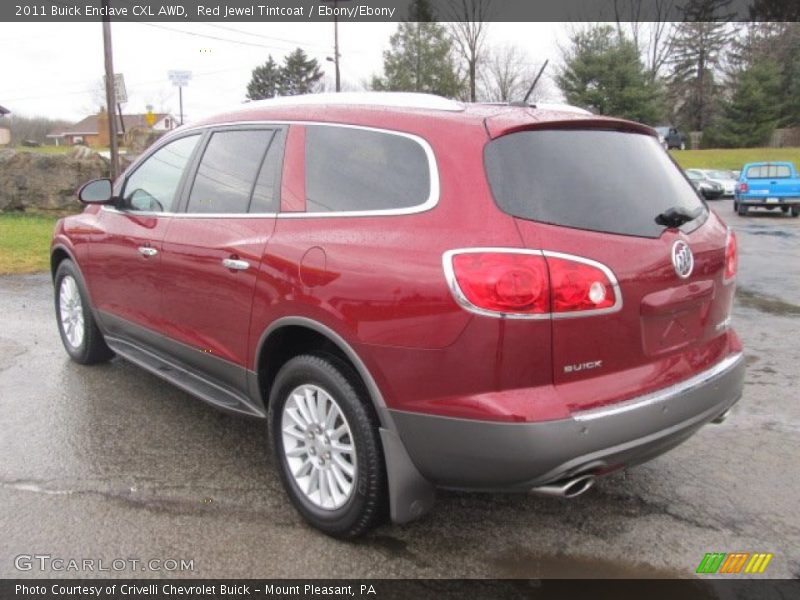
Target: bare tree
<point>649,24</point>
<point>506,74</point>
<point>468,28</point>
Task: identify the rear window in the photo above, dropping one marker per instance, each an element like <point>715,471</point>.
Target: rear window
<point>351,170</point>
<point>588,179</point>
<point>768,172</point>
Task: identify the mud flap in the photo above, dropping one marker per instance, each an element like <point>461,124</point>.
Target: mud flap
<point>410,495</point>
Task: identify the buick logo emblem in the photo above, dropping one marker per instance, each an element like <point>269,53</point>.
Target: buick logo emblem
<point>682,259</point>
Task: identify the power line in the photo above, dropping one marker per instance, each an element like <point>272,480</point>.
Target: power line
<point>266,37</point>
<point>210,37</point>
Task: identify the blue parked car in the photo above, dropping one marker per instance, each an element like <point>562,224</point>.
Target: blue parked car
<point>768,185</point>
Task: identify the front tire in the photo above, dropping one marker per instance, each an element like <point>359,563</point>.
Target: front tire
<point>327,447</point>
<point>80,334</point>
<point>796,211</point>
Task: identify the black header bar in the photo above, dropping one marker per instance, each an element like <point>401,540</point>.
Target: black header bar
<point>393,10</point>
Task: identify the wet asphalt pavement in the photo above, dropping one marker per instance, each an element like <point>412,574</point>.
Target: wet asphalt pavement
<point>109,462</point>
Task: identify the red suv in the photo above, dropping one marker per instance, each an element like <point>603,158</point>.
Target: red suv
<point>416,293</point>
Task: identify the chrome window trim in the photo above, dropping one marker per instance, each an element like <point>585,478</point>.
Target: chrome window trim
<point>461,299</point>
<point>433,171</point>
<point>178,215</point>
<point>662,395</point>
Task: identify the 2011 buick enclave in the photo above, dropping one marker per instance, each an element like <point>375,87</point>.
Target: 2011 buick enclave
<point>415,292</point>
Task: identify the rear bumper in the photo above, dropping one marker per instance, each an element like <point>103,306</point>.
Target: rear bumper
<point>483,455</point>
<point>762,201</point>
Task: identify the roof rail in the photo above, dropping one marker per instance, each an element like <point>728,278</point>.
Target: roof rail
<point>555,106</point>
<point>390,99</point>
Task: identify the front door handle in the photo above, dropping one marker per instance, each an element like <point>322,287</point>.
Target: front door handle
<point>147,251</point>
<point>235,264</point>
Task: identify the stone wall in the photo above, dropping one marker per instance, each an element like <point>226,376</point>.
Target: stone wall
<point>32,181</point>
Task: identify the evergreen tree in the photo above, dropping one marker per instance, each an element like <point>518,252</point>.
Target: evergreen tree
<point>420,57</point>
<point>300,74</point>
<point>603,71</point>
<point>266,81</point>
<point>750,117</point>
<point>778,43</point>
<point>696,57</point>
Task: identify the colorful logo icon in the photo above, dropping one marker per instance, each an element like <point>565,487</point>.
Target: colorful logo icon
<point>734,563</point>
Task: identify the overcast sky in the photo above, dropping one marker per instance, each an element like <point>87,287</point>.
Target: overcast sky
<point>56,69</point>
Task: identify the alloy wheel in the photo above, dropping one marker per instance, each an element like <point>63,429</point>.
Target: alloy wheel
<point>318,447</point>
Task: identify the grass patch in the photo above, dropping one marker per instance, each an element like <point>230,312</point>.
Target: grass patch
<point>25,243</point>
<point>44,149</point>
<point>734,158</point>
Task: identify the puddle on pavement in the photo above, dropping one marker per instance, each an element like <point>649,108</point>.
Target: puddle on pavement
<point>767,304</point>
<point>520,563</point>
<point>781,233</point>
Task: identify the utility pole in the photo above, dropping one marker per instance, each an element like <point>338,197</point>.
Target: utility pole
<point>336,46</point>
<point>110,95</point>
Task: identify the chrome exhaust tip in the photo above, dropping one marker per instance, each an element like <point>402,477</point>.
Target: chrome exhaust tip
<point>567,488</point>
<point>723,417</point>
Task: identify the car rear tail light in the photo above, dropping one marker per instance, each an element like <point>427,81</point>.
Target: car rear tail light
<point>742,187</point>
<point>578,286</point>
<point>731,256</point>
<point>503,282</point>
<point>530,283</point>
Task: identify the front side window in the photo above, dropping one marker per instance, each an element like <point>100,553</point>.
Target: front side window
<point>350,170</point>
<point>227,173</point>
<point>153,185</point>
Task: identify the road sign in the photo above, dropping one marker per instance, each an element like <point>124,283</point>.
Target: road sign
<point>120,92</point>
<point>150,118</point>
<point>179,78</point>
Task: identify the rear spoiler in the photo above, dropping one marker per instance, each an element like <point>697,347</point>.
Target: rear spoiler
<point>526,119</point>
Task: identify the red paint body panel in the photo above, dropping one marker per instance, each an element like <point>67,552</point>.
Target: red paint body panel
<point>378,282</point>
<point>205,305</point>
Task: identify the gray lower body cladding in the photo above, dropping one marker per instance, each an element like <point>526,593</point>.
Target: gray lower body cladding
<point>481,455</point>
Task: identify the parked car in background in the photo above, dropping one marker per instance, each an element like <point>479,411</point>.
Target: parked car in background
<point>726,179</point>
<point>770,185</point>
<point>414,293</point>
<point>711,190</point>
<point>671,138</point>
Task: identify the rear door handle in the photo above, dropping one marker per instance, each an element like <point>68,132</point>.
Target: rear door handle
<point>235,264</point>
<point>147,251</point>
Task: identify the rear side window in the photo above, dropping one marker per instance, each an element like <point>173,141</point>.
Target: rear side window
<point>266,194</point>
<point>227,173</point>
<point>598,180</point>
<point>769,172</point>
<point>350,169</point>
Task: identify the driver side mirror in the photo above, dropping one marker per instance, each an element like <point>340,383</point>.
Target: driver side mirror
<point>97,191</point>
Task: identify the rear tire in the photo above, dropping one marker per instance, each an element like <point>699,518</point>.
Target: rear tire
<point>327,446</point>
<point>796,211</point>
<point>742,210</point>
<point>735,206</point>
<point>80,334</point>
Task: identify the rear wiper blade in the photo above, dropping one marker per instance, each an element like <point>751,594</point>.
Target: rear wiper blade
<point>677,216</point>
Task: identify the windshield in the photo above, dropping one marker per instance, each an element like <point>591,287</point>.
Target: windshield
<point>588,179</point>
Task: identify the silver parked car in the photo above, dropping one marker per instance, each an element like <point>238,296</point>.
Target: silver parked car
<point>725,178</point>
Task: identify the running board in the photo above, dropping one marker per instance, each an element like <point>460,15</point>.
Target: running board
<point>219,396</point>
